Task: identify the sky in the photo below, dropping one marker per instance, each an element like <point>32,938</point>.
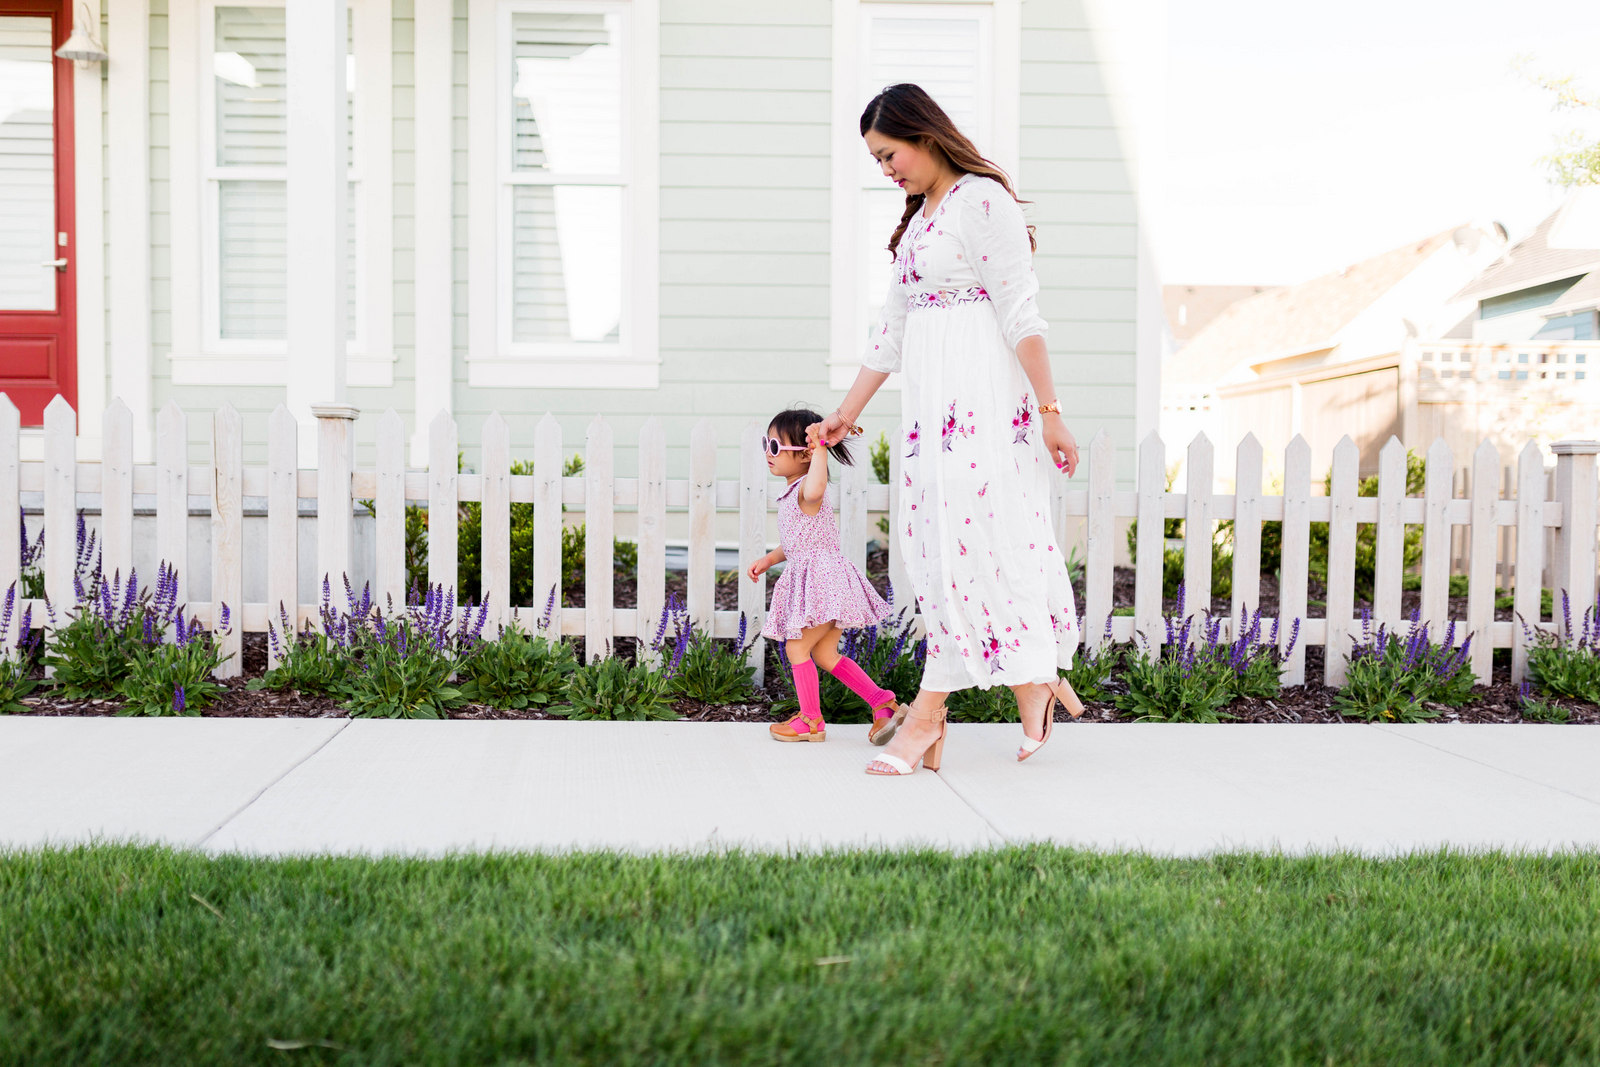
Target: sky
<point>1302,137</point>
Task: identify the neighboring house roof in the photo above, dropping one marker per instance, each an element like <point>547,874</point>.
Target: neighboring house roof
<point>1190,308</point>
<point>1545,255</point>
<point>1295,319</point>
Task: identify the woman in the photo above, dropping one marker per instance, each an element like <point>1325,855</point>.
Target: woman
<point>980,422</point>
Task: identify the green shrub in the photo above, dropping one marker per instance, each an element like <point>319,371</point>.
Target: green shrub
<point>308,661</point>
<point>995,704</point>
<point>91,653</point>
<point>1195,675</point>
<point>880,458</point>
<point>16,661</point>
<point>1566,664</point>
<point>699,666</point>
<point>176,678</point>
<point>1536,710</point>
<point>1092,668</point>
<point>615,690</point>
<point>1390,680</point>
<point>518,670</point>
<point>404,666</point>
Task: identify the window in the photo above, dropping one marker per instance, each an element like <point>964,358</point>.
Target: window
<point>966,56</point>
<point>1576,327</point>
<point>246,149</point>
<point>230,258</point>
<point>573,207</point>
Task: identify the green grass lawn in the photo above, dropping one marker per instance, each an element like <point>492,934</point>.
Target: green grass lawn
<point>124,955</point>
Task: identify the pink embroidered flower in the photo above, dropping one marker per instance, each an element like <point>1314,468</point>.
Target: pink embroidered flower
<point>1022,422</point>
<point>914,440</point>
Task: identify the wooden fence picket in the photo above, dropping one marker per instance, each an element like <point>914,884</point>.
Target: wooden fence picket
<point>60,506</point>
<point>172,492</point>
<point>116,491</point>
<point>547,466</point>
<point>1246,584</point>
<point>11,527</point>
<point>389,514</point>
<point>1099,540</point>
<point>652,521</point>
<point>1341,561</point>
<point>1150,564</point>
<point>1390,541</point>
<point>227,535</point>
<point>1295,557</point>
<point>1436,539</point>
<point>283,523</point>
<point>444,495</point>
<point>753,480</point>
<point>1197,531</point>
<point>600,522</point>
<point>1480,565</point>
<point>852,498</point>
<point>495,542</point>
<point>702,526</point>
<point>1530,554</point>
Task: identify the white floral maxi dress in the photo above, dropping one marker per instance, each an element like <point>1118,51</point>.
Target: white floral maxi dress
<point>974,504</point>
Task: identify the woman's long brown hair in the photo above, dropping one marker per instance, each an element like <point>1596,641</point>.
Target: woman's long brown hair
<point>907,113</point>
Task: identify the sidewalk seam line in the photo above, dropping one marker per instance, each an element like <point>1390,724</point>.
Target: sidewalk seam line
<point>1001,834</point>
<point>242,808</point>
<point>1492,767</point>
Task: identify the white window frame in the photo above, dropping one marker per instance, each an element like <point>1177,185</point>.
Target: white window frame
<point>494,360</point>
<point>199,354</point>
<point>849,316</point>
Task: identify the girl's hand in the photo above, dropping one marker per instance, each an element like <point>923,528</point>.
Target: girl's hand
<point>759,567</point>
<point>1060,444</point>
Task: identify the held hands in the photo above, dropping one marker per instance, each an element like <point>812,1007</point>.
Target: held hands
<point>1060,445</point>
<point>832,430</point>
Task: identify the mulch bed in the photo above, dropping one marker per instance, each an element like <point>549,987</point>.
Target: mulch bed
<point>1311,703</point>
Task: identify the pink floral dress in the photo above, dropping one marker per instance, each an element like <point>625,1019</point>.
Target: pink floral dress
<point>818,584</point>
<point>974,498</point>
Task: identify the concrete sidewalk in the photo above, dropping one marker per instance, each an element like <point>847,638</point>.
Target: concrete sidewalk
<point>273,786</point>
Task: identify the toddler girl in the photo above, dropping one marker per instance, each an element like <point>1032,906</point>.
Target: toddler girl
<point>820,593</point>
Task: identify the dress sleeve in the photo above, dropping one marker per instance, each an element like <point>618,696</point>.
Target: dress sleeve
<point>995,235</point>
<point>883,347</point>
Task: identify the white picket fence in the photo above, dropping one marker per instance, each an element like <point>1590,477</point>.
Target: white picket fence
<point>334,484</point>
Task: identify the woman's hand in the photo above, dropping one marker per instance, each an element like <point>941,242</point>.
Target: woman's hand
<point>1059,443</point>
<point>832,429</point>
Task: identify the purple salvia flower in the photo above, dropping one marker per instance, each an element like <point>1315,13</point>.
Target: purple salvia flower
<point>181,632</point>
<point>327,594</point>
<point>889,597</point>
<point>25,631</point>
<point>1167,619</point>
<point>222,627</point>
<point>349,594</point>
<point>272,639</point>
<point>1566,614</point>
<point>677,656</point>
<point>661,627</point>
<point>1450,635</point>
<point>195,629</point>
<point>381,628</point>
<point>743,623</point>
<point>1107,630</point>
<point>1273,640</point>
<point>450,607</point>
<point>899,645</point>
<point>150,637</point>
<point>1294,636</point>
<point>400,639</point>
<point>178,699</point>
<point>1366,623</point>
<point>11,600</point>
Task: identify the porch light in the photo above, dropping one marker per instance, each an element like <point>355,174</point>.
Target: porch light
<point>81,45</point>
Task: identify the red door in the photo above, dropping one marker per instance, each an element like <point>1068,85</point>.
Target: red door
<point>38,335</point>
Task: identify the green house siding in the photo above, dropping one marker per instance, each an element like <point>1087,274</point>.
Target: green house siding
<point>744,226</point>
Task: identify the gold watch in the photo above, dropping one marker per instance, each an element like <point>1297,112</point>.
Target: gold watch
<point>1054,405</point>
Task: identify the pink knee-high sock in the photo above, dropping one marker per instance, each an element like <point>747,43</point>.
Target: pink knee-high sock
<point>851,674</point>
<point>806,688</point>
